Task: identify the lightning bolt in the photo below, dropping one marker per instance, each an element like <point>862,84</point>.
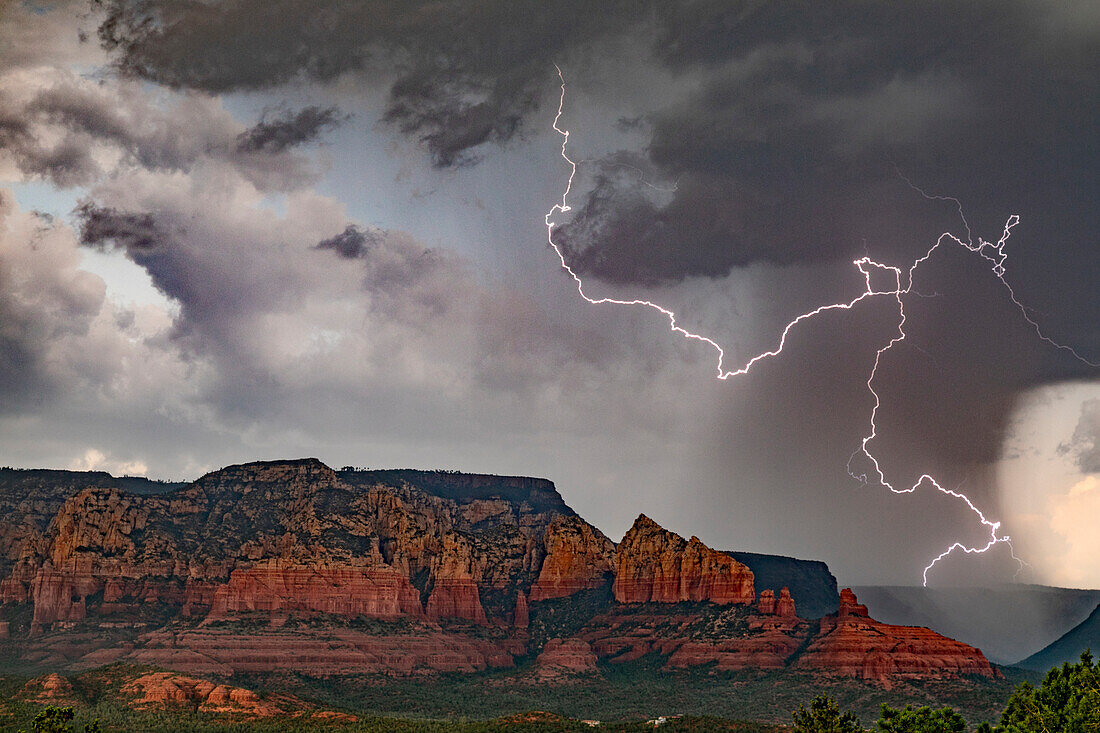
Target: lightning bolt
<point>903,285</point>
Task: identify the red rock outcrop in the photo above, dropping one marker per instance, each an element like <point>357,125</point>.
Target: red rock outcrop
<point>565,656</point>
<point>578,557</point>
<point>50,689</point>
<point>168,688</point>
<point>852,644</point>
<point>653,564</point>
<point>521,617</point>
<point>766,602</point>
<point>380,592</point>
<point>784,605</point>
<point>277,537</point>
<point>456,598</point>
<point>323,651</point>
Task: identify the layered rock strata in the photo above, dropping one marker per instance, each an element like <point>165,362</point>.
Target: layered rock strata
<point>655,565</point>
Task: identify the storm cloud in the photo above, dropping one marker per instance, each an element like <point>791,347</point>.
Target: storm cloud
<point>1084,444</point>
<point>329,218</point>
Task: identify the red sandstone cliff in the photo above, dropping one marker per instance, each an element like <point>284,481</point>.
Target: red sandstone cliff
<point>290,536</point>
<point>852,644</point>
<point>294,542</point>
<point>578,557</point>
<point>653,564</point>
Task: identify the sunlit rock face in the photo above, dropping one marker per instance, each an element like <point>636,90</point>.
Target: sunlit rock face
<point>653,564</point>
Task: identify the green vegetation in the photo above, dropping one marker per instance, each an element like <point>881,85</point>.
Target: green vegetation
<point>1067,701</point>
<point>824,716</point>
<point>559,617</point>
<point>920,720</point>
<point>58,720</point>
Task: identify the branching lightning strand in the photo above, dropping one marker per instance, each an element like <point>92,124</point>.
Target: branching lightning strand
<point>994,253</point>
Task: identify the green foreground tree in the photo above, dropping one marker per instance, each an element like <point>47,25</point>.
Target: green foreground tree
<point>1068,701</point>
<point>920,720</point>
<point>58,720</point>
<point>824,716</point>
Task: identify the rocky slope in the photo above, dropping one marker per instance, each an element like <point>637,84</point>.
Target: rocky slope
<point>291,565</point>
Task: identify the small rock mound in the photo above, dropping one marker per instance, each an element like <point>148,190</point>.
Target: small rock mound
<point>562,657</point>
<point>168,688</point>
<point>50,689</point>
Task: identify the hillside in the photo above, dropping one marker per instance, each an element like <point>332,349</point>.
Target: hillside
<point>1068,647</point>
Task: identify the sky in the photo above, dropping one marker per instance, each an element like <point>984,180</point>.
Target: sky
<point>236,230</point>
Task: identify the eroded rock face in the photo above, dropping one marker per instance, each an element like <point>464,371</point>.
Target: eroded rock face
<point>784,605</point>
<point>653,564</point>
<point>378,591</point>
<point>50,689</point>
<point>321,652</point>
<point>852,644</point>
<point>521,617</point>
<point>287,536</point>
<point>158,689</point>
<point>578,557</point>
<point>566,656</point>
<point>766,602</point>
<point>399,555</point>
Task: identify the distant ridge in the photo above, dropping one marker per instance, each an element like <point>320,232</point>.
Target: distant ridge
<point>1007,621</point>
<point>1068,647</point>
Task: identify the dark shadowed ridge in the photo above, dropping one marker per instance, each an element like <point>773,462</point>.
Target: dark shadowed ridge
<point>812,584</point>
<point>539,493</point>
<point>1068,647</point>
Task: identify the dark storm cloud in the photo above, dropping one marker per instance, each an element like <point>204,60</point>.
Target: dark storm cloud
<point>101,226</point>
<point>352,242</point>
<point>465,74</point>
<point>1084,445</point>
<point>801,113</point>
<point>278,132</point>
<point>806,108</point>
<point>785,144</point>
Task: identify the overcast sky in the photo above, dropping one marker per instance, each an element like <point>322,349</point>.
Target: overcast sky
<point>255,229</point>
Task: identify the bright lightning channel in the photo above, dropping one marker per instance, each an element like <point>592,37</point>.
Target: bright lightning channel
<point>994,253</point>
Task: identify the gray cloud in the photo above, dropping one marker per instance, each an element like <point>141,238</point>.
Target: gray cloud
<point>102,225</point>
<point>352,242</point>
<point>1084,444</point>
<point>277,132</point>
<point>465,75</point>
<point>71,131</point>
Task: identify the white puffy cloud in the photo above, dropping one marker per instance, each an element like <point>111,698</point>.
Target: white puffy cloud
<point>1074,517</point>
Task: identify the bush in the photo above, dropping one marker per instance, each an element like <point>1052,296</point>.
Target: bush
<point>920,720</point>
<point>57,720</point>
<point>824,716</point>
